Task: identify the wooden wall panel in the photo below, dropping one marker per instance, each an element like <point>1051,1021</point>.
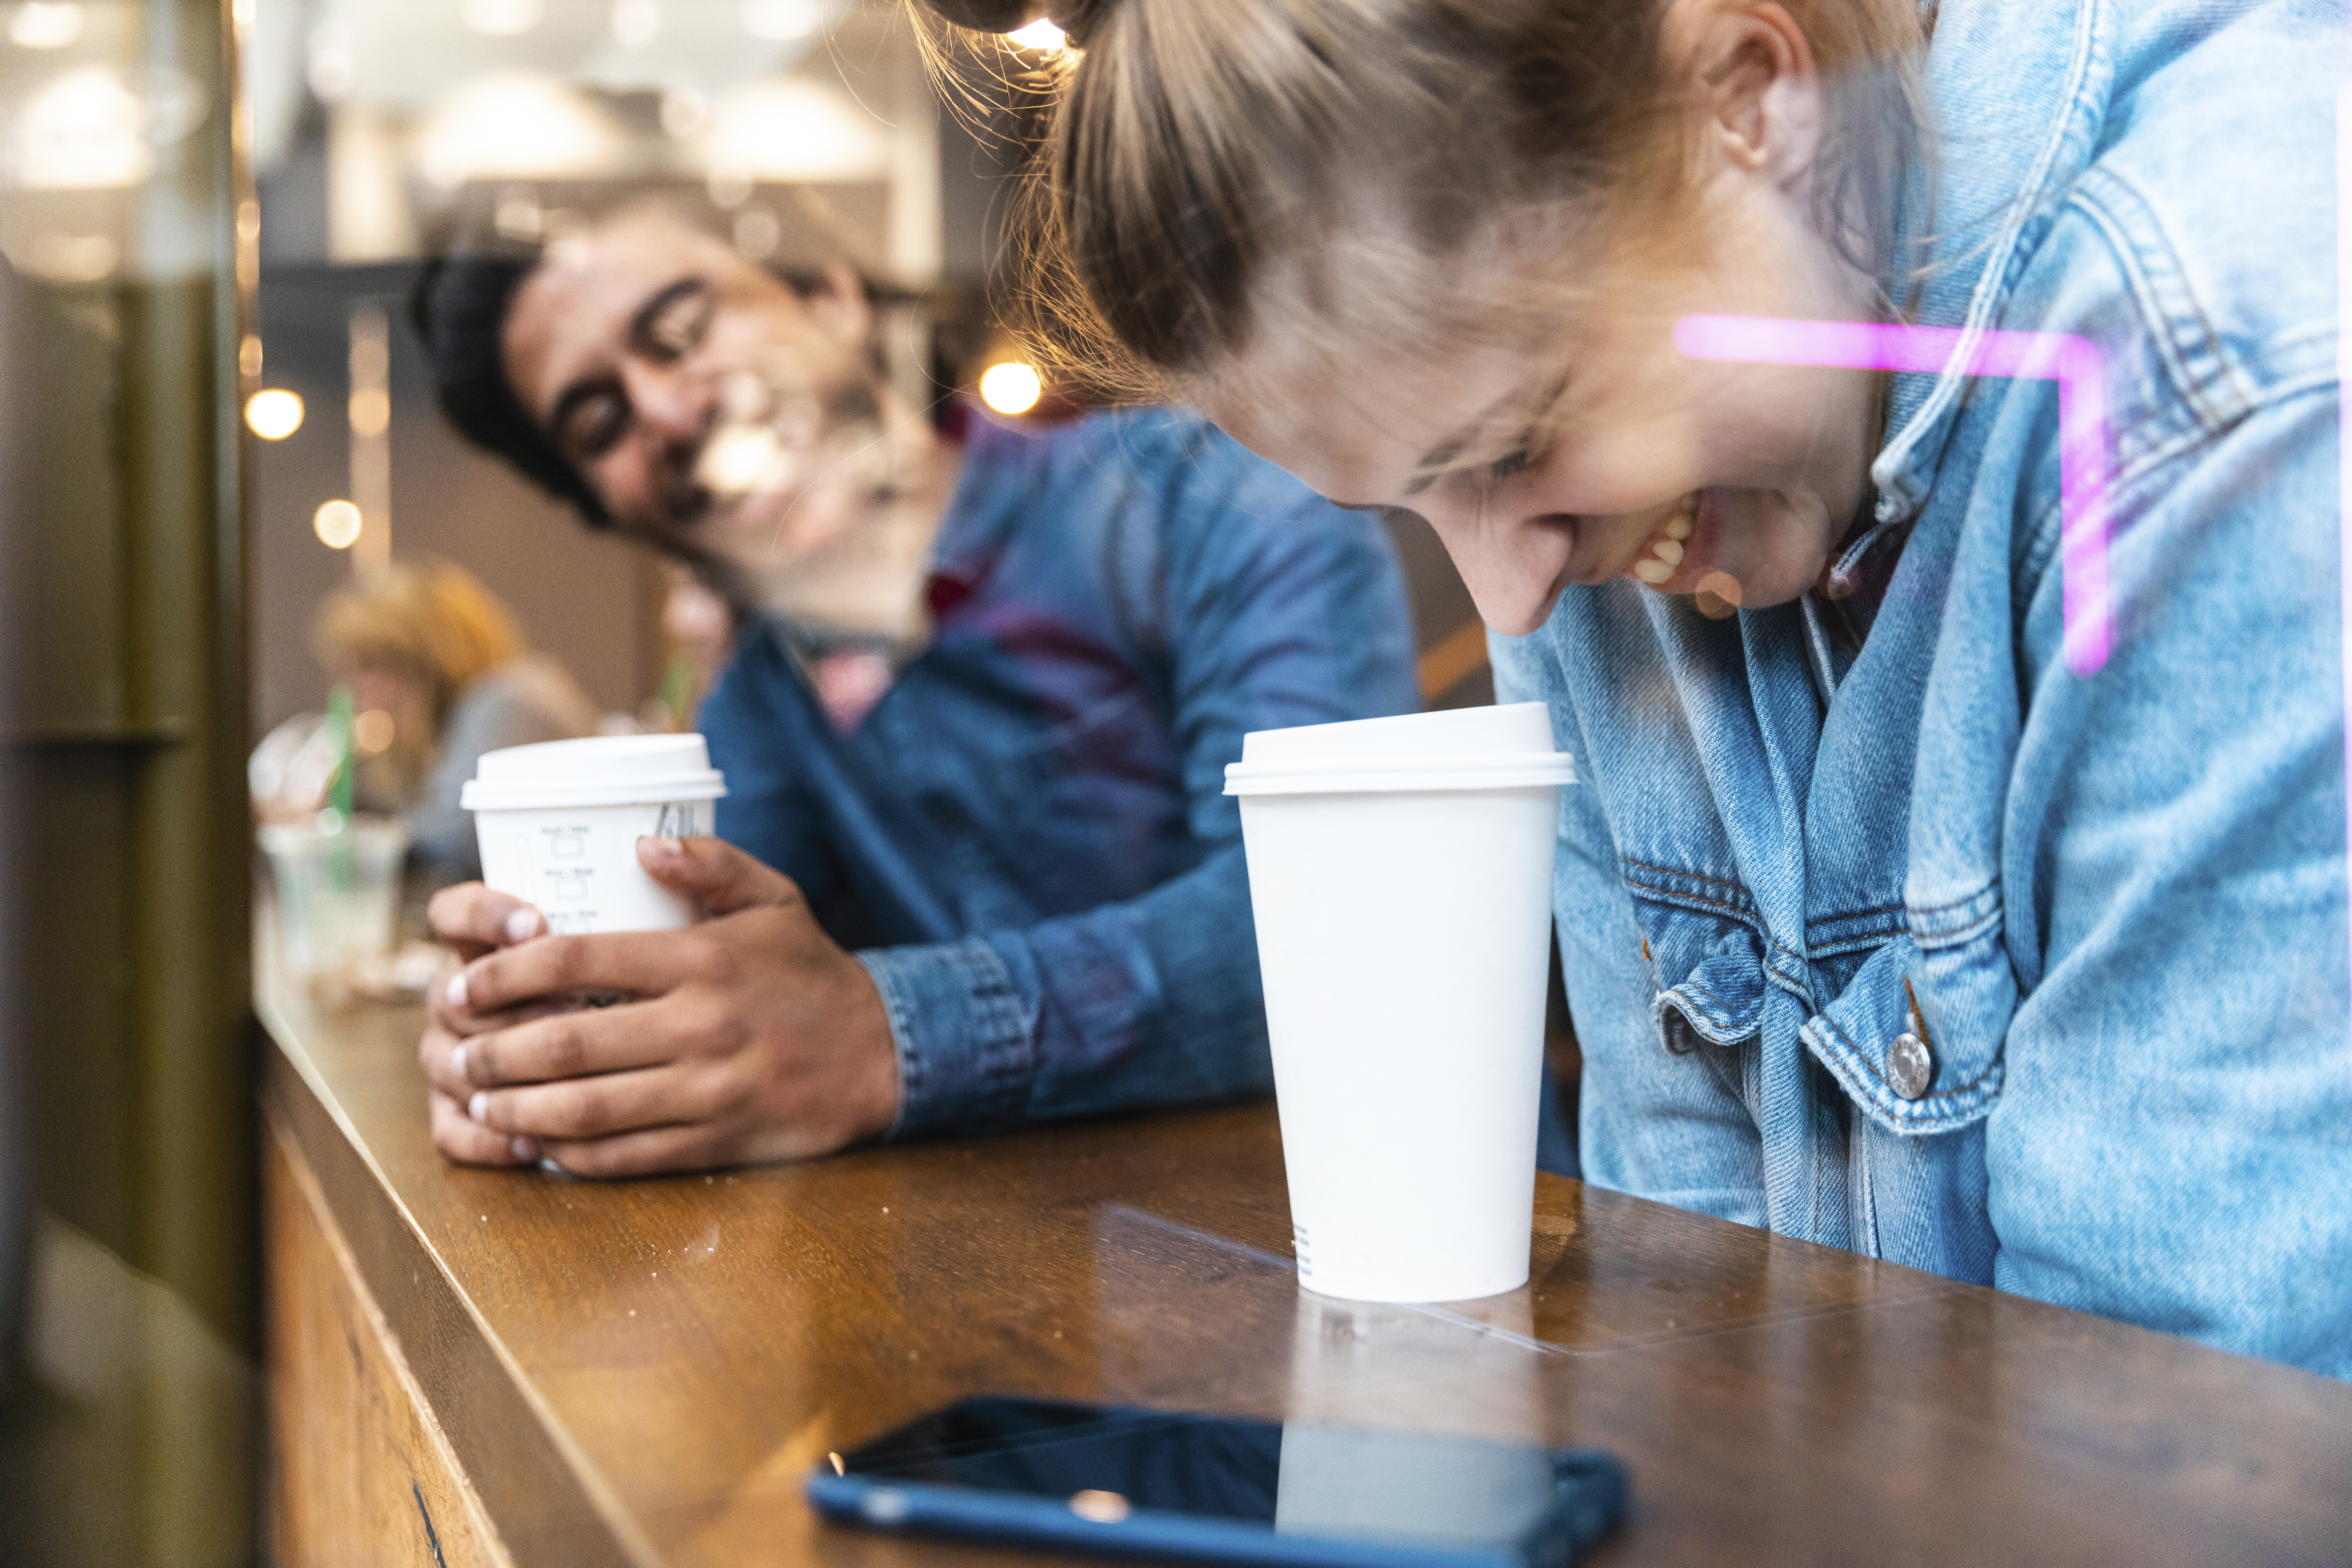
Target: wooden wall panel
<point>360,1471</point>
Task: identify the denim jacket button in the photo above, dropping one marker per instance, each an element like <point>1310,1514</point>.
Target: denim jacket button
<point>1910,1066</point>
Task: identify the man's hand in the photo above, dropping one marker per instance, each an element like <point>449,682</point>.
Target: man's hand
<point>752,1037</point>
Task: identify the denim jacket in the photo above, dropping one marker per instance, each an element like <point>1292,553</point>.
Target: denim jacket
<point>1929,947</point>
<point>1028,835</point>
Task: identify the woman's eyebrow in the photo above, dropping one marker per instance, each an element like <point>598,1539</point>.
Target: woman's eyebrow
<point>1445,452</point>
<point>1435,460</point>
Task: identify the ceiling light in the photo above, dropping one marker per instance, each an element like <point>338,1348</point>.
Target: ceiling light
<point>512,125</point>
<point>274,412</point>
<point>793,129</point>
<point>781,21</point>
<point>337,525</point>
<point>635,23</point>
<point>40,25</point>
<point>82,132</point>
<point>501,18</point>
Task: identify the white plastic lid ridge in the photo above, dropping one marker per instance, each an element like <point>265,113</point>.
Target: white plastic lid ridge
<point>602,770</point>
<point>1453,732</point>
<point>1507,747</point>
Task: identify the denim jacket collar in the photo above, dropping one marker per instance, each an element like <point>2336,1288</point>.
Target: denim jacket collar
<point>2031,129</point>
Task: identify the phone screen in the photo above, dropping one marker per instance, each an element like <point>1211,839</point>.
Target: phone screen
<point>1295,1480</point>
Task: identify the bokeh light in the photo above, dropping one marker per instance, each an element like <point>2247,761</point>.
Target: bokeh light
<point>369,410</point>
<point>781,21</point>
<point>371,732</point>
<point>501,18</point>
<point>38,25</point>
<point>517,125</point>
<point>635,23</point>
<point>337,525</point>
<point>273,414</point>
<point>1011,387</point>
<point>84,131</point>
<point>1040,36</point>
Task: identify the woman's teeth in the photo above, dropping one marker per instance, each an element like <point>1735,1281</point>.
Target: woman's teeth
<point>1666,546</point>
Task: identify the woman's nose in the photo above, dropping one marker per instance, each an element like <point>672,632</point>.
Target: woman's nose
<point>1512,565</point>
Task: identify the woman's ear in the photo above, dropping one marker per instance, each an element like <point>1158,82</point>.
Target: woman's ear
<point>1757,85</point>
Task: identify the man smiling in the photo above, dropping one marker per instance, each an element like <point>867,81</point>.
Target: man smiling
<point>975,729</point>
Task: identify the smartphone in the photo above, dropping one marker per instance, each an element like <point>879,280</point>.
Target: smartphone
<point>1094,1477</point>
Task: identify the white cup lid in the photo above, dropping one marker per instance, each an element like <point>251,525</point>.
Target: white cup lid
<point>604,770</point>
<point>1518,727</point>
<point>1506,747</point>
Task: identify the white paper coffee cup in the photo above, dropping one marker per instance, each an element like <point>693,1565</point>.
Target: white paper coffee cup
<point>1399,872</point>
<point>559,825</point>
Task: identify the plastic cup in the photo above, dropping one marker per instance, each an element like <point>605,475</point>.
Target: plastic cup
<point>559,825</point>
<point>1399,872</point>
<point>338,886</point>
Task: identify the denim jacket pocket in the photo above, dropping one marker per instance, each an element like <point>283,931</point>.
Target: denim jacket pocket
<point>1720,1002</point>
<point>1915,1038</point>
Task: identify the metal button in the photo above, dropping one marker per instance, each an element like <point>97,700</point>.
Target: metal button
<point>1910,1066</point>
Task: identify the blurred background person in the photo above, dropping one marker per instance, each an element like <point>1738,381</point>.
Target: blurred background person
<point>438,674</point>
<point>699,628</point>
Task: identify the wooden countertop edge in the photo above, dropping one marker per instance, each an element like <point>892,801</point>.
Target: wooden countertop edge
<point>551,1503</point>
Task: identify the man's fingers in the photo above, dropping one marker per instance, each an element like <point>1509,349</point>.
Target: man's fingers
<point>715,874</point>
<point>599,1107</point>
<point>433,1054</point>
<point>642,1154</point>
<point>648,963</point>
<point>461,1020</point>
<point>572,1043</point>
<point>462,1138</point>
<point>472,918</point>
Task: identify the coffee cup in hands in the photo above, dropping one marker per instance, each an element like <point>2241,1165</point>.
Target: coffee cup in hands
<point>559,825</point>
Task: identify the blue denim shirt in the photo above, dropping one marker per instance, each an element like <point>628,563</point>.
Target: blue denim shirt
<point>2117,901</point>
<point>1029,829</point>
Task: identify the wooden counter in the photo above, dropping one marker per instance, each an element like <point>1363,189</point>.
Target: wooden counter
<point>481,1368</point>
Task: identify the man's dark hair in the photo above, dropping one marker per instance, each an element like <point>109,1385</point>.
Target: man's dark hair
<point>458,308</point>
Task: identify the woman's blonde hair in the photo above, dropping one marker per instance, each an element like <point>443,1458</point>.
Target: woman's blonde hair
<point>435,622</point>
<point>1197,149</point>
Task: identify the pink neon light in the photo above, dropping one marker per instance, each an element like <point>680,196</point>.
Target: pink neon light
<point>2072,361</point>
<point>2344,428</point>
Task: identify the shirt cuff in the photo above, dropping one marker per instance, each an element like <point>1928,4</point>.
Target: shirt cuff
<point>966,1051</point>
